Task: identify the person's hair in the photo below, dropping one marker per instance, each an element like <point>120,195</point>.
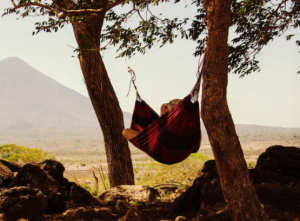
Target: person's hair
<point>173,103</point>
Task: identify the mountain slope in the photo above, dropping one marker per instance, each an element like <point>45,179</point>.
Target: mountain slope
<point>30,99</point>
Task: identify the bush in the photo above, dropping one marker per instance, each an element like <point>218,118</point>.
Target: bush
<point>15,153</point>
<point>182,173</point>
<point>87,187</point>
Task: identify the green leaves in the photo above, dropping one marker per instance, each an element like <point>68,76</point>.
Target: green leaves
<point>144,34</point>
<point>50,25</point>
<point>257,23</point>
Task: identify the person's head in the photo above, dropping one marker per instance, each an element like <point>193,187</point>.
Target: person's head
<point>173,103</point>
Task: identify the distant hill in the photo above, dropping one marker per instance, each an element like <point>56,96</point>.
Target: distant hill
<point>30,99</point>
<point>37,111</point>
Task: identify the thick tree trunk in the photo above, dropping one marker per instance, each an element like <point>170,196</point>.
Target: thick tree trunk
<point>240,196</point>
<point>104,100</point>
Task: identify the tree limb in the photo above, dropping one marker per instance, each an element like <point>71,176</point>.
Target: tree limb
<point>35,4</point>
<point>113,4</point>
<point>13,2</point>
<point>65,11</point>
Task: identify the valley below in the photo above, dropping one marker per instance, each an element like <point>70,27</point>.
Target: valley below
<point>83,148</point>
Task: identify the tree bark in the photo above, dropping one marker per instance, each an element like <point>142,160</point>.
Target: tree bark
<point>104,99</point>
<point>239,194</point>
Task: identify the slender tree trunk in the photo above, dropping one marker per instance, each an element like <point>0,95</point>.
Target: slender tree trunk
<point>104,100</point>
<point>239,194</point>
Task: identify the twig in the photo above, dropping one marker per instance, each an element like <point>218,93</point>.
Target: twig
<point>167,184</point>
<point>96,182</point>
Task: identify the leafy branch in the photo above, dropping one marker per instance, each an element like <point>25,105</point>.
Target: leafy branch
<point>150,29</point>
<point>59,11</point>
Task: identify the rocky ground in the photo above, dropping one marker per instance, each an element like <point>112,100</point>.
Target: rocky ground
<point>40,192</point>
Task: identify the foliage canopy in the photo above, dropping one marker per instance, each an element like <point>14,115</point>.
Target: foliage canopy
<point>256,23</point>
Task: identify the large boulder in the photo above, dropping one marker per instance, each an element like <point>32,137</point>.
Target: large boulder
<point>22,202</point>
<point>279,164</point>
<point>34,177</point>
<point>140,193</point>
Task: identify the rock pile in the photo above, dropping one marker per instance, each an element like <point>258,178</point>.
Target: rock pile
<point>276,179</point>
<point>36,191</point>
<point>40,192</point>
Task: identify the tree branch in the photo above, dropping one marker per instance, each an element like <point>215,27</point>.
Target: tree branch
<point>65,11</point>
<point>113,4</point>
<point>35,4</point>
<point>13,2</point>
<point>87,11</point>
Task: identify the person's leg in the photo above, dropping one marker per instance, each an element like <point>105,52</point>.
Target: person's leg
<point>129,134</point>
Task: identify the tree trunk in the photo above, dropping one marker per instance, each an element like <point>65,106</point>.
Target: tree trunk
<point>104,99</point>
<point>239,194</point>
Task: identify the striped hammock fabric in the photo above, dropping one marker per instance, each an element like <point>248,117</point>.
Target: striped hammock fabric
<point>171,138</point>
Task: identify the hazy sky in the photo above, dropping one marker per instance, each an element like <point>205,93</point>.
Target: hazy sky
<point>270,97</point>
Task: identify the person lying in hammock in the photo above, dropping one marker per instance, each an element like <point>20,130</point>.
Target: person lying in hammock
<point>166,107</point>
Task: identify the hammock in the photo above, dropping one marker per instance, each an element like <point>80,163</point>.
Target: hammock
<point>171,138</point>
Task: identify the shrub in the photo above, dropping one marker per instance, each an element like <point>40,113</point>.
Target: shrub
<point>182,173</point>
<point>15,153</point>
<point>86,187</point>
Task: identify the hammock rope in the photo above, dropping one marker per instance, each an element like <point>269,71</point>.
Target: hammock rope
<point>132,79</point>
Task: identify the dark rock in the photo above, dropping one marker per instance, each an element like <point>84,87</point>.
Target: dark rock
<point>276,180</point>
<point>220,215</point>
<point>34,177</point>
<point>140,193</point>
<point>79,197</point>
<point>281,202</point>
<point>212,199</point>
<point>88,214</point>
<point>191,199</point>
<point>132,215</point>
<point>55,169</point>
<point>123,206</point>
<point>14,167</point>
<point>279,164</point>
<point>22,202</point>
<point>6,175</point>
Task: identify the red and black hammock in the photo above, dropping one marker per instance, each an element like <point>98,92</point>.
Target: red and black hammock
<point>171,138</point>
